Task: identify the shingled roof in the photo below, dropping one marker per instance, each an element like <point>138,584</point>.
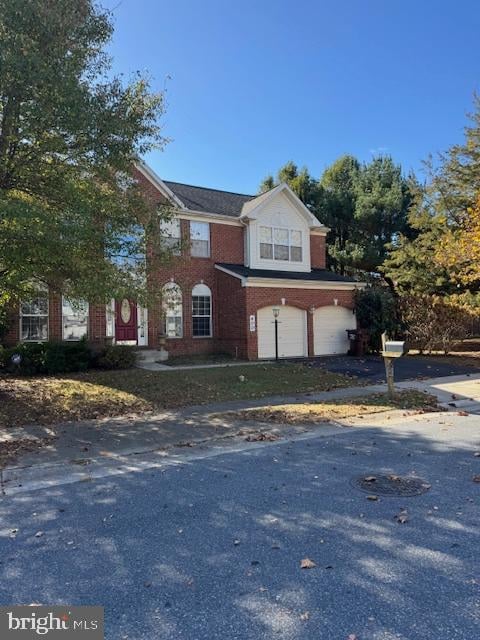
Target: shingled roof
<point>322,275</point>
<point>209,200</point>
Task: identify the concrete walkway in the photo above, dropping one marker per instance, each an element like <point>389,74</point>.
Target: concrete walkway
<point>80,449</point>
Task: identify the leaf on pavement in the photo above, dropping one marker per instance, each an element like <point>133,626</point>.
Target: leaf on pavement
<point>462,413</point>
<point>372,497</point>
<point>476,478</point>
<point>305,616</point>
<point>306,563</point>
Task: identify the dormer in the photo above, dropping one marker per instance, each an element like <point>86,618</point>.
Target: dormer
<point>278,231</point>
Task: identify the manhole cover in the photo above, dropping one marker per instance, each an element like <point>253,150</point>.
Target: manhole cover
<point>391,485</point>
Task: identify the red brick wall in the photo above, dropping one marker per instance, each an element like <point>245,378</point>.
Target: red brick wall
<point>318,249</point>
<point>232,316</point>
<point>226,245</point>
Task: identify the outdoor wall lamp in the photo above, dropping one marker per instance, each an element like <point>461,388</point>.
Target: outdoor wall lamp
<point>312,310</point>
<point>276,313</point>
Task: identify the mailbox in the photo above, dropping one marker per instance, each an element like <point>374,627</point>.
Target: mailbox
<point>393,349</point>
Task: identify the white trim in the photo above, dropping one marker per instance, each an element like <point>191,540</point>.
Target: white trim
<point>319,232</point>
<point>142,342</point>
<point>157,182</point>
<point>218,218</point>
<point>231,273</point>
<point>250,209</point>
<point>285,283</point>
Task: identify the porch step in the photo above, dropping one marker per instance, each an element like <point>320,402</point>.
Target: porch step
<point>147,355</point>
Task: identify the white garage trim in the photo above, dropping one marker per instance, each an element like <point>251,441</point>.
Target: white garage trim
<point>330,326</point>
<point>292,332</point>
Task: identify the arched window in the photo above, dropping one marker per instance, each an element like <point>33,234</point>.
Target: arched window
<point>172,310</point>
<point>201,311</point>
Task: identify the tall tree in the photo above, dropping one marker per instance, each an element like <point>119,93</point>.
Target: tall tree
<point>299,180</point>
<point>68,135</point>
<point>441,256</point>
<point>383,198</point>
<point>337,209</point>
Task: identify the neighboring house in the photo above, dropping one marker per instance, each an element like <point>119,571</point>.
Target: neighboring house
<point>242,258</point>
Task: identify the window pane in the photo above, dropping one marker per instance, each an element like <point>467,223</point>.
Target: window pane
<point>280,236</point>
<point>296,238</point>
<point>200,231</point>
<point>296,254</point>
<point>281,252</point>
<point>266,251</point>
<point>201,327</point>
<point>173,310</point>
<point>170,228</point>
<point>34,328</point>
<point>200,248</point>
<point>266,235</point>
<point>75,319</point>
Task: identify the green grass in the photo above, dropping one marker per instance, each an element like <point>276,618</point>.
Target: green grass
<point>96,394</point>
<point>209,358</point>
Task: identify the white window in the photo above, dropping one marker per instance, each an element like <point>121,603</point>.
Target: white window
<point>201,311</point>
<point>172,310</point>
<point>34,318</point>
<point>170,234</point>
<point>74,319</point>
<point>200,239</point>
<point>280,244</point>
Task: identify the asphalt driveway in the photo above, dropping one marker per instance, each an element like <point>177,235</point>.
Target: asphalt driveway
<point>372,368</point>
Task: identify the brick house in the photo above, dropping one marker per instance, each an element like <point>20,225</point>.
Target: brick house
<point>242,261</point>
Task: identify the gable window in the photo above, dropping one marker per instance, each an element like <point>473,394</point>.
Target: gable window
<point>74,319</point>
<point>201,311</point>
<point>172,310</point>
<point>170,234</point>
<point>200,239</point>
<point>34,318</point>
<point>277,243</point>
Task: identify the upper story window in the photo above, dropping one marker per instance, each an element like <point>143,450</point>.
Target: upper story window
<point>74,319</point>
<point>280,244</point>
<point>171,235</point>
<point>34,318</point>
<point>200,239</point>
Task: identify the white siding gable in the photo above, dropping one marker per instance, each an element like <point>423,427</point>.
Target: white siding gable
<point>278,212</point>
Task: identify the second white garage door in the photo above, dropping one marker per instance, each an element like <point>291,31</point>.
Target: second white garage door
<point>292,332</point>
<point>330,326</point>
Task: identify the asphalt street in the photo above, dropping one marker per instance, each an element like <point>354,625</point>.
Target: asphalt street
<point>210,549</point>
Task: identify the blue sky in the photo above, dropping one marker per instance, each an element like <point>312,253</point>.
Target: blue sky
<point>255,83</point>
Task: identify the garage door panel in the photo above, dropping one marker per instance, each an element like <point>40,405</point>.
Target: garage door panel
<point>330,325</point>
<point>291,332</point>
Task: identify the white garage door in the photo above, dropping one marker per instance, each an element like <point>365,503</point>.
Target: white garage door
<point>330,326</point>
<point>292,332</point>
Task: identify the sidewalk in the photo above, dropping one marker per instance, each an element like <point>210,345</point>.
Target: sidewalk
<point>81,447</point>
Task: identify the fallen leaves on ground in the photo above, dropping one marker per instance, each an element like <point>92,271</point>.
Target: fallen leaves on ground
<point>372,497</point>
<point>9,449</point>
<point>306,563</point>
<point>262,437</point>
<point>316,412</point>
<point>305,616</point>
<point>462,413</point>
<point>402,516</point>
<point>476,478</point>
<point>100,394</point>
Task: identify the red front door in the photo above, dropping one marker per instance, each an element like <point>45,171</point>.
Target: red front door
<point>125,321</point>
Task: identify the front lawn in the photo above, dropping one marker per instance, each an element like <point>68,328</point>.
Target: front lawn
<point>97,394</point>
<point>311,412</point>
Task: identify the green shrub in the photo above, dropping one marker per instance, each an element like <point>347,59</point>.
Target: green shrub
<point>47,357</point>
<point>116,357</point>
<point>66,357</point>
<point>377,311</point>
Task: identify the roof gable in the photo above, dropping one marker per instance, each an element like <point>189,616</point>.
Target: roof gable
<point>252,208</point>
